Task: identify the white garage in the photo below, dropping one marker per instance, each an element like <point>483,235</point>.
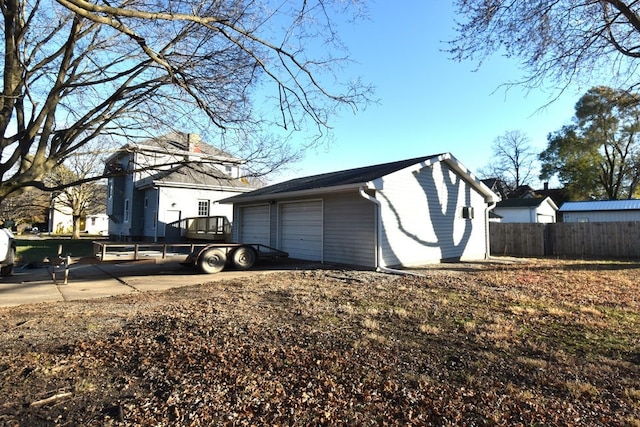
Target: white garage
<point>408,212</point>
<point>301,229</point>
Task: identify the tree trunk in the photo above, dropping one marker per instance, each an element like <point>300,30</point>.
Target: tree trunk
<point>76,227</point>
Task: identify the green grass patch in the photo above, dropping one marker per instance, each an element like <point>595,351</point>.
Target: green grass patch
<point>36,250</point>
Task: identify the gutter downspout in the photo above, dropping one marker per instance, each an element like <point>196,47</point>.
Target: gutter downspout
<point>379,266</point>
<point>487,242</point>
<point>157,216</point>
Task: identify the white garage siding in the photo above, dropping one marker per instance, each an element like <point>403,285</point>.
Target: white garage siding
<point>300,226</point>
<point>422,219</point>
<point>253,224</point>
<point>349,230</point>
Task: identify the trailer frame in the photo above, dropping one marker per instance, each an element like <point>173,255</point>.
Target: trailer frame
<point>208,257</point>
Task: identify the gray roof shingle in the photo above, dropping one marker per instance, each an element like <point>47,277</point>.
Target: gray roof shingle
<point>332,179</point>
<point>351,177</point>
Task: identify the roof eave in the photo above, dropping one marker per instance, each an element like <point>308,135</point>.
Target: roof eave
<point>194,186</point>
<point>489,195</point>
<point>300,193</point>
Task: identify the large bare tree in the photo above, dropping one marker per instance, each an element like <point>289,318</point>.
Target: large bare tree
<point>558,42</point>
<point>82,199</point>
<point>514,161</point>
<point>76,70</point>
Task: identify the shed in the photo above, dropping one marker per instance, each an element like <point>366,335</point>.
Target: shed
<point>601,211</point>
<point>529,209</point>
<point>409,212</point>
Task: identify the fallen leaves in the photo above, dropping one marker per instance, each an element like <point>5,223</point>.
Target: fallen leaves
<point>337,348</point>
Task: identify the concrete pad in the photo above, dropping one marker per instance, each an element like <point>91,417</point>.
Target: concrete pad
<point>87,279</point>
<point>28,287</point>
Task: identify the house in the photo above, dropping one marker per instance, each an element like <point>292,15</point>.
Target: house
<point>601,211</point>
<point>60,216</point>
<point>164,180</point>
<point>497,186</point>
<point>558,195</point>
<point>529,209</point>
<point>404,213</point>
<point>97,224</point>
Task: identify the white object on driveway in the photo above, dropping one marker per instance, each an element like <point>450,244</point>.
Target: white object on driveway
<point>7,252</point>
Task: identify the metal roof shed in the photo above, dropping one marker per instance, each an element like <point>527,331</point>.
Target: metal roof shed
<point>601,211</point>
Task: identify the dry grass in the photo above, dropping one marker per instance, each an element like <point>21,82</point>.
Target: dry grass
<point>535,343</point>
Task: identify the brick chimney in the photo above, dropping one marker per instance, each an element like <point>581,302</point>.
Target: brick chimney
<point>193,142</point>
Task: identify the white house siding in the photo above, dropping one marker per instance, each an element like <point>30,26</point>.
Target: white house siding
<point>300,229</point>
<point>183,202</point>
<point>97,224</point>
<point>349,230</point>
<point>422,218</point>
<point>526,214</point>
<point>545,213</point>
<point>252,224</point>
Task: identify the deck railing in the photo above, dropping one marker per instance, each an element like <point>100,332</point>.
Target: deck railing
<point>212,228</point>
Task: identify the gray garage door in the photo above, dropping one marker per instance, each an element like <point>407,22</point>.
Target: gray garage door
<point>254,225</point>
<point>301,230</point>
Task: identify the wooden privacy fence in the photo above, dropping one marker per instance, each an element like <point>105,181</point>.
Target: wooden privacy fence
<point>571,239</point>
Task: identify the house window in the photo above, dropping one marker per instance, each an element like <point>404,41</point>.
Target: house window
<point>126,210</point>
<point>203,208</point>
<point>146,203</point>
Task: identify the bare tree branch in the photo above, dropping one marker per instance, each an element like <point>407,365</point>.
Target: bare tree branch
<point>75,71</point>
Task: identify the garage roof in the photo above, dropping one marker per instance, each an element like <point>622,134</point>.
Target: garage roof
<point>528,202</point>
<point>353,178</point>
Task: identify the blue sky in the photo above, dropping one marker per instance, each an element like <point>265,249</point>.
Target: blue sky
<point>428,103</point>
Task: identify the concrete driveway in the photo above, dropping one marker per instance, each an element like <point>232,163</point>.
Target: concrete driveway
<point>91,280</point>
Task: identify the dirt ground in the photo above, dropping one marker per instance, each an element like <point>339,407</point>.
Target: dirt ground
<point>514,342</point>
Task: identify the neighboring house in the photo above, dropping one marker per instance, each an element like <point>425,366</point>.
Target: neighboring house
<point>410,212</point>
<point>61,221</point>
<point>97,224</point>
<point>601,211</point>
<point>539,209</point>
<point>497,186</point>
<point>178,176</point>
<point>558,195</point>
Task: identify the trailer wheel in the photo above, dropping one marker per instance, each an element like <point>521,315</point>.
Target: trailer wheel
<point>244,257</point>
<point>212,260</point>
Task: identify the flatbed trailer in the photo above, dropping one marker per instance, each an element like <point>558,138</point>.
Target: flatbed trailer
<point>208,257</point>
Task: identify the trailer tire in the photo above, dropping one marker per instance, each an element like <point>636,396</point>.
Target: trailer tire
<point>212,261</point>
<point>244,257</point>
